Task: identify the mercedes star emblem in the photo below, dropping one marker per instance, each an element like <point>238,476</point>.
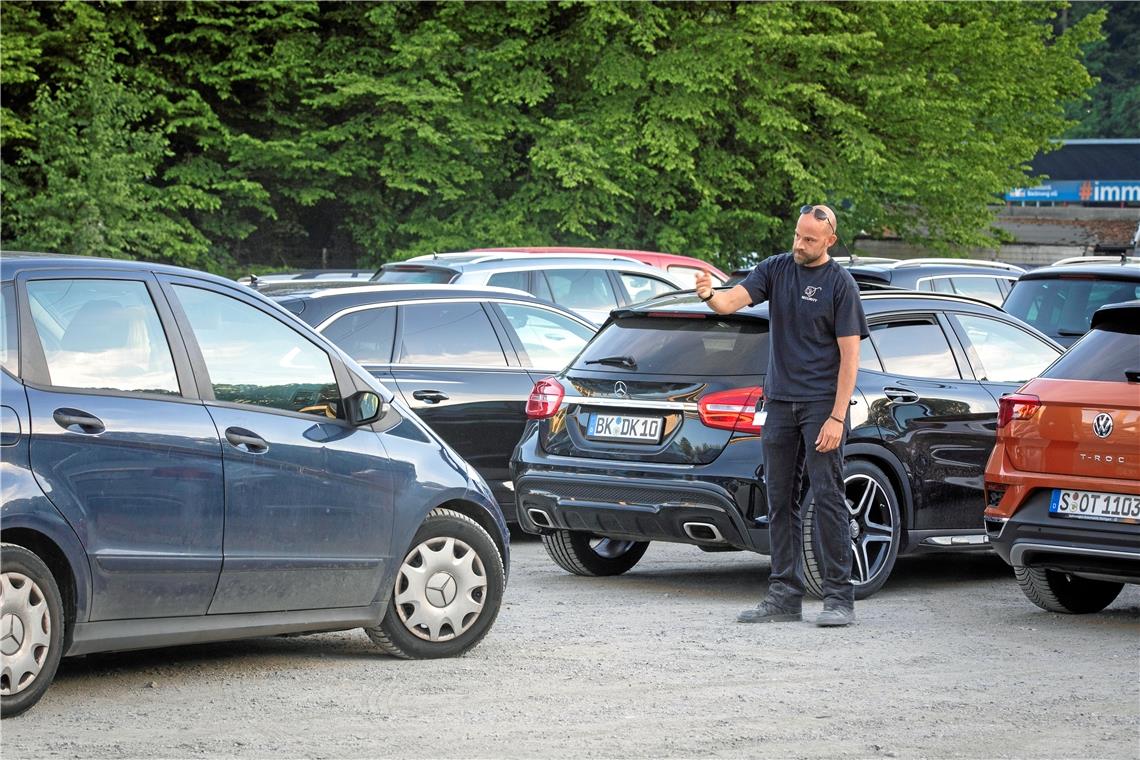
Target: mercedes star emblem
<point>621,390</point>
<point>440,589</point>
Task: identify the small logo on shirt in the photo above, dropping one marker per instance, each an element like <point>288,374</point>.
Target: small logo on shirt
<point>809,293</point>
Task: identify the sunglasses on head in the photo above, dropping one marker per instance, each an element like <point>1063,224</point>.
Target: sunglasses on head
<point>818,213</point>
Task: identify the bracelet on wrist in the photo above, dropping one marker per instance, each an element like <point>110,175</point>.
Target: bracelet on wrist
<point>833,417</point>
<point>706,300</point>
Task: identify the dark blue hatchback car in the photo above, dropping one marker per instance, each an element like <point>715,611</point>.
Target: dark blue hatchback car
<point>184,461</point>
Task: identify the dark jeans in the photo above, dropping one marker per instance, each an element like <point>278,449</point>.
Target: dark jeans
<point>789,437</point>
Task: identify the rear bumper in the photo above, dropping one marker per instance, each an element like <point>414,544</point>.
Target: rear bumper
<point>692,505</point>
<point>1093,548</point>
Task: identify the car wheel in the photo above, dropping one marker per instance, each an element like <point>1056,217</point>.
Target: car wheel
<point>447,593</point>
<point>875,522</point>
<point>1056,591</point>
<point>586,554</point>
<point>31,629</point>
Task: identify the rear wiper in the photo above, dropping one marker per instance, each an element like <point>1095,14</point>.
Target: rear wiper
<point>617,361</point>
<point>1071,333</point>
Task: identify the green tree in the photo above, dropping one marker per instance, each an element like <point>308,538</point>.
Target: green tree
<point>1113,108</point>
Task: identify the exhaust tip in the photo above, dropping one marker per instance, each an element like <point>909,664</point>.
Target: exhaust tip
<point>540,517</point>
<point>701,531</point>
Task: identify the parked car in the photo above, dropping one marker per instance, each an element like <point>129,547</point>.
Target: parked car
<point>738,275</point>
<point>684,269</point>
<point>651,435</point>
<point>184,461</point>
<point>1063,481</point>
<point>350,275</point>
<point>989,281</point>
<point>589,285</point>
<point>465,359</point>
<point>1060,300</point>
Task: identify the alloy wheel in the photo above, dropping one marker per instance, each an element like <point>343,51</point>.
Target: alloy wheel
<point>872,522</point>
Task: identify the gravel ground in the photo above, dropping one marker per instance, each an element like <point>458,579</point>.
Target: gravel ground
<point>949,660</point>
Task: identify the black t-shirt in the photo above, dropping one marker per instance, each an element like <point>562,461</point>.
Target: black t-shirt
<point>808,308</point>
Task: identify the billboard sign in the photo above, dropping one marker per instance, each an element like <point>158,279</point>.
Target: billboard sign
<point>1079,191</point>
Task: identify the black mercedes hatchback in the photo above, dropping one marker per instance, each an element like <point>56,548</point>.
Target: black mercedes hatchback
<point>651,433</point>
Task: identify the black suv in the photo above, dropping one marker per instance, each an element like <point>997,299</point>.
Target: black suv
<point>1060,300</point>
<point>650,433</point>
<point>465,359</point>
<point>989,281</point>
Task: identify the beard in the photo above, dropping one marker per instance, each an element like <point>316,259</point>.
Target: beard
<point>806,258</point>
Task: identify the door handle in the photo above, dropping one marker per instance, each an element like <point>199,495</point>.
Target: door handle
<point>431,397</point>
<point>72,418</point>
<point>903,395</point>
<point>252,442</point>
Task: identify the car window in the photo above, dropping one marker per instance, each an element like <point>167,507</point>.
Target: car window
<point>255,359</point>
<point>1101,355</point>
<point>642,288</point>
<point>9,336</point>
<point>549,340</point>
<point>1006,353</point>
<point>984,288</point>
<point>917,348</point>
<point>868,358</point>
<point>365,335</point>
<point>102,335</point>
<point>516,280</point>
<point>448,334</point>
<point>678,346</point>
<point>939,285</point>
<point>582,288</point>
<point>686,277</point>
<point>1065,307</point>
<point>542,287</point>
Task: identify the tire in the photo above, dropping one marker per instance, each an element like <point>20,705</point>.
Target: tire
<point>449,610</point>
<point>1056,591</point>
<point>873,508</point>
<point>31,639</point>
<point>583,553</point>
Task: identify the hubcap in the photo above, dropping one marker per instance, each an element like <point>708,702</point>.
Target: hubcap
<point>25,632</point>
<point>440,589</point>
<point>873,518</point>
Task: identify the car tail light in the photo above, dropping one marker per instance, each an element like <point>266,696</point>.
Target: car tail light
<point>733,409</point>
<point>1016,406</point>
<point>544,399</point>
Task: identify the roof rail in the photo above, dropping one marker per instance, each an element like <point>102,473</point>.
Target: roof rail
<point>403,286</point>
<point>479,258</point>
<point>971,262</point>
<point>1122,259</point>
<point>904,293</point>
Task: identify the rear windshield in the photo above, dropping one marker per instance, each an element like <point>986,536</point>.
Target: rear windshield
<point>1064,307</point>
<point>681,346</point>
<point>414,275</point>
<point>1100,355</point>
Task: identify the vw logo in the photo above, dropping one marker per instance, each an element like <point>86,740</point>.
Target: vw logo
<point>1102,425</point>
<point>440,590</point>
<point>621,390</point>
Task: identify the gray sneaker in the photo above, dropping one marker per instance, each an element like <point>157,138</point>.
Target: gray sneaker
<point>767,612</point>
<point>835,615</point>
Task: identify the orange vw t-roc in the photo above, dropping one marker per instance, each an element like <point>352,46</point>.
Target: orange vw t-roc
<point>1063,482</point>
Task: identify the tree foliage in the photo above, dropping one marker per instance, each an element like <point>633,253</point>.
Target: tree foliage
<point>204,133</point>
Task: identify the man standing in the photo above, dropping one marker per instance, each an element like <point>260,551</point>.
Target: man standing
<point>816,322</point>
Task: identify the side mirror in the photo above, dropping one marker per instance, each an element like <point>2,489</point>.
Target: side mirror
<point>363,408</point>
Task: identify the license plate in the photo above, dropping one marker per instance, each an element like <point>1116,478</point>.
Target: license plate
<point>1095,505</point>
<point>619,427</point>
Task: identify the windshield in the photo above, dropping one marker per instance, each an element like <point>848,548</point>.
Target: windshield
<point>680,346</point>
<point>1064,306</point>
